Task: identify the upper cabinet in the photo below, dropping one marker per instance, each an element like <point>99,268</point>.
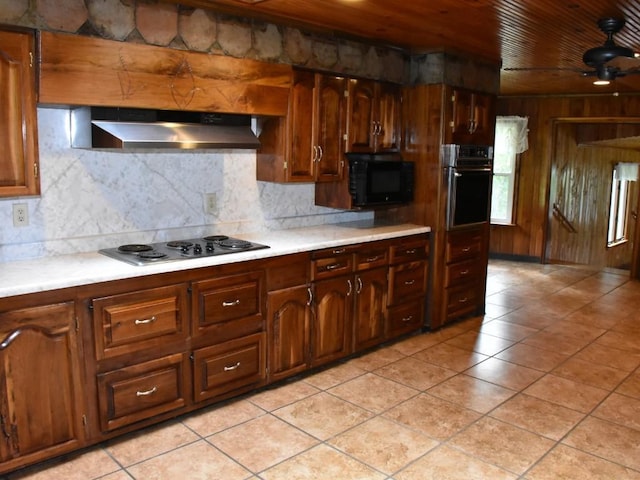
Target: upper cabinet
<point>18,125</point>
<point>307,145</point>
<point>472,118</point>
<point>374,116</point>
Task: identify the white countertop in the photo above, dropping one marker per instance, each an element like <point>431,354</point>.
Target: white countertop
<point>50,273</point>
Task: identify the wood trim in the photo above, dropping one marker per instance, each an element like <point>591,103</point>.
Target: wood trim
<point>78,70</point>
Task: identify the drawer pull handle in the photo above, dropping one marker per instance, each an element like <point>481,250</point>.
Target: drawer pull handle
<point>463,300</point>
<point>338,251</point>
<point>231,304</point>
<point>466,249</point>
<point>333,266</point>
<point>409,282</point>
<point>373,259</point>
<point>144,393</point>
<point>145,321</point>
<point>410,251</point>
<point>464,272</point>
<point>407,319</point>
<point>231,367</point>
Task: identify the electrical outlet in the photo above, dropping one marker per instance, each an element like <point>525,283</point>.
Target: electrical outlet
<point>211,203</point>
<point>20,215</point>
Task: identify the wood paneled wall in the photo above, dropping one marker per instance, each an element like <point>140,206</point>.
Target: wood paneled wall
<point>527,237</point>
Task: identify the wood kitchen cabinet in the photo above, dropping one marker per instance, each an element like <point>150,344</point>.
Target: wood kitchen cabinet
<point>370,295</point>
<point>18,123</point>
<point>333,289</point>
<point>307,145</point>
<point>228,334</point>
<point>41,395</point>
<point>288,316</point>
<point>472,118</point>
<point>408,277</point>
<point>465,272</point>
<point>373,116</point>
<point>139,339</point>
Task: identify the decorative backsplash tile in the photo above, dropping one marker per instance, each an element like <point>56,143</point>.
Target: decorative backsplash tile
<point>94,199</point>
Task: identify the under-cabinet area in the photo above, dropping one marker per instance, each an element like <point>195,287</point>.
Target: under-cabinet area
<point>85,364</point>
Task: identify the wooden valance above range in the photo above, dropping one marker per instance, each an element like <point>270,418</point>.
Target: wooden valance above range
<point>79,70</point>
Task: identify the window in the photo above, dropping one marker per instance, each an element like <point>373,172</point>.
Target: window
<point>623,175</point>
<point>510,141</point>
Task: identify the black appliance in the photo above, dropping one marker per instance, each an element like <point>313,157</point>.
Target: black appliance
<point>377,179</point>
<point>468,173</point>
<point>150,254</point>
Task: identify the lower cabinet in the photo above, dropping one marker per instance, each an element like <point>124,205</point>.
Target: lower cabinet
<point>142,390</point>
<point>408,276</point>
<point>219,369</point>
<point>41,394</point>
<point>465,272</point>
<point>163,345</point>
<point>288,328</point>
<point>332,320</point>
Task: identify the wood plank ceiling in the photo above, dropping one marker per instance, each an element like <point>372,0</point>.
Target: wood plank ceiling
<point>539,43</point>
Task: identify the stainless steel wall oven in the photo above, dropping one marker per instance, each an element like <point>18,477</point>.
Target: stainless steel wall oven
<point>468,173</point>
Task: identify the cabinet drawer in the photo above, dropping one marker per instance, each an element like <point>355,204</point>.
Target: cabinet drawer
<point>409,250</point>
<point>141,391</point>
<point>406,318</point>
<point>229,366</point>
<point>407,280</point>
<point>138,320</point>
<point>236,298</point>
<point>372,257</point>
<point>327,267</point>
<point>463,245</point>
<point>461,301</point>
<point>463,272</point>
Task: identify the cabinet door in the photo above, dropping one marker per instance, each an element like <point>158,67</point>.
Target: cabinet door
<point>331,327</point>
<point>288,327</point>
<point>39,381</point>
<point>18,126</point>
<point>362,100</point>
<point>370,308</point>
<point>300,158</point>
<point>484,119</point>
<point>461,129</point>
<point>388,117</point>
<point>329,127</point>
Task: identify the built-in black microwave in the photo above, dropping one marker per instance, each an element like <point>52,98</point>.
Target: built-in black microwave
<point>377,179</point>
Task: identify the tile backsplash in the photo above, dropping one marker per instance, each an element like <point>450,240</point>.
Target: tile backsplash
<point>94,199</point>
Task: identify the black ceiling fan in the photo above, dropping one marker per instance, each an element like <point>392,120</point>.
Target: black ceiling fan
<point>598,57</point>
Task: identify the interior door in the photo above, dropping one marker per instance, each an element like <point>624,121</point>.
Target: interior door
<point>580,197</point>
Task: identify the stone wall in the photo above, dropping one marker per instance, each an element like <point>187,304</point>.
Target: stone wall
<point>168,25</point>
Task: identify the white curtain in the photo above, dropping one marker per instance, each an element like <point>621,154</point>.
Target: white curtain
<point>627,171</point>
<point>513,134</point>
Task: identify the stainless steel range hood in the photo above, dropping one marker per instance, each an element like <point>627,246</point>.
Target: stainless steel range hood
<point>136,129</point>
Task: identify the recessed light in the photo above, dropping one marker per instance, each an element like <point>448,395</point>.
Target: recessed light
<point>601,82</point>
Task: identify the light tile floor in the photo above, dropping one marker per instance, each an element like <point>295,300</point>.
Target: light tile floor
<point>545,386</point>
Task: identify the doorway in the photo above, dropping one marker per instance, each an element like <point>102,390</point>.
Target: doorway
<point>584,155</point>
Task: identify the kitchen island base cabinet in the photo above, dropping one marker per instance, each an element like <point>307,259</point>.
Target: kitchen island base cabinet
<point>40,390</point>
